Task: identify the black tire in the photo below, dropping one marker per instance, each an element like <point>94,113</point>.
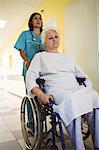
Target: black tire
<point>32,139</point>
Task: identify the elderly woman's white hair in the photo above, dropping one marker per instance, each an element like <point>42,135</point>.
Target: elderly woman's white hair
<point>45,32</point>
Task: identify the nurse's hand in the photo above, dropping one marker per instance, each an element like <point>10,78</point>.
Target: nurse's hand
<point>27,64</point>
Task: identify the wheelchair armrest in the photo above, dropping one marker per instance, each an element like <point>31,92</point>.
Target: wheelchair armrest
<point>40,81</point>
<point>81,80</point>
<point>41,84</point>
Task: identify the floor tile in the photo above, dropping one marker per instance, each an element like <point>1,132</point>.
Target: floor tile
<point>5,109</point>
<point>17,134</point>
<point>14,127</point>
<point>13,145</point>
<point>22,143</point>
<point>1,121</point>
<point>6,113</point>
<point>12,119</point>
<point>4,128</point>
<point>6,136</point>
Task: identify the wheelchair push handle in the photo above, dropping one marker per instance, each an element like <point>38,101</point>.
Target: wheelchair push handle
<point>40,81</point>
<point>41,84</point>
<point>81,80</point>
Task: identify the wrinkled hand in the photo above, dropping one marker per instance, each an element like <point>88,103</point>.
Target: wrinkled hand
<point>46,98</point>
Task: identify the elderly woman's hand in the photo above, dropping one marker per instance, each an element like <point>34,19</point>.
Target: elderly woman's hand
<point>27,64</point>
<point>45,98</point>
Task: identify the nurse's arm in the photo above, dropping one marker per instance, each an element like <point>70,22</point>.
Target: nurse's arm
<point>22,54</point>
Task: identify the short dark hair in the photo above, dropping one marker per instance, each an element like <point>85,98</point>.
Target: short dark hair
<point>30,25</point>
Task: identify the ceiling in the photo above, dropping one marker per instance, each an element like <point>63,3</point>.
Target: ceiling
<point>15,12</point>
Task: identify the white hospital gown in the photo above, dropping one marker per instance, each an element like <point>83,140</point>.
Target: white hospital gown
<point>59,72</point>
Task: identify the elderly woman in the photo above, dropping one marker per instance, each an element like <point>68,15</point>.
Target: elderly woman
<point>73,100</point>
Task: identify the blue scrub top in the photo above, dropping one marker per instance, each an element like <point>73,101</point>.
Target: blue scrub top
<point>30,44</point>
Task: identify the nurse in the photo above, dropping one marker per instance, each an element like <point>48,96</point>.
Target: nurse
<point>29,41</point>
<point>28,44</point>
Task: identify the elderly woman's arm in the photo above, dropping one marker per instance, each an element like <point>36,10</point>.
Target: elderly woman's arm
<point>31,76</point>
<point>44,97</point>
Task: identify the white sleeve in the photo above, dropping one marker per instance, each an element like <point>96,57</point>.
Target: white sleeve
<point>80,73</point>
<point>33,73</point>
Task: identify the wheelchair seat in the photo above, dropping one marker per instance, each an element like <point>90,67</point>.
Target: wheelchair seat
<point>38,135</point>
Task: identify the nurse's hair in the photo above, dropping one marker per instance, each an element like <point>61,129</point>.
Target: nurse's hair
<point>30,24</point>
<point>46,31</point>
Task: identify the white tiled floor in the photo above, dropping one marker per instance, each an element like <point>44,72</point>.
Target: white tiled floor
<point>10,127</point>
<point>6,137</point>
<point>9,121</point>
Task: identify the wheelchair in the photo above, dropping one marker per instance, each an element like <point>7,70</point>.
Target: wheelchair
<point>39,135</point>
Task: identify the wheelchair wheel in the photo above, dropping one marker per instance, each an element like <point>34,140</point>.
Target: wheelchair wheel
<point>32,136</point>
<point>85,128</point>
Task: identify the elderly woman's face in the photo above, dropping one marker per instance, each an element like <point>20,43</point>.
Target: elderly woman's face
<point>52,41</point>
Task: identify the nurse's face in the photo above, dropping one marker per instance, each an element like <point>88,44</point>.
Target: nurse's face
<point>37,21</point>
<point>52,41</point>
